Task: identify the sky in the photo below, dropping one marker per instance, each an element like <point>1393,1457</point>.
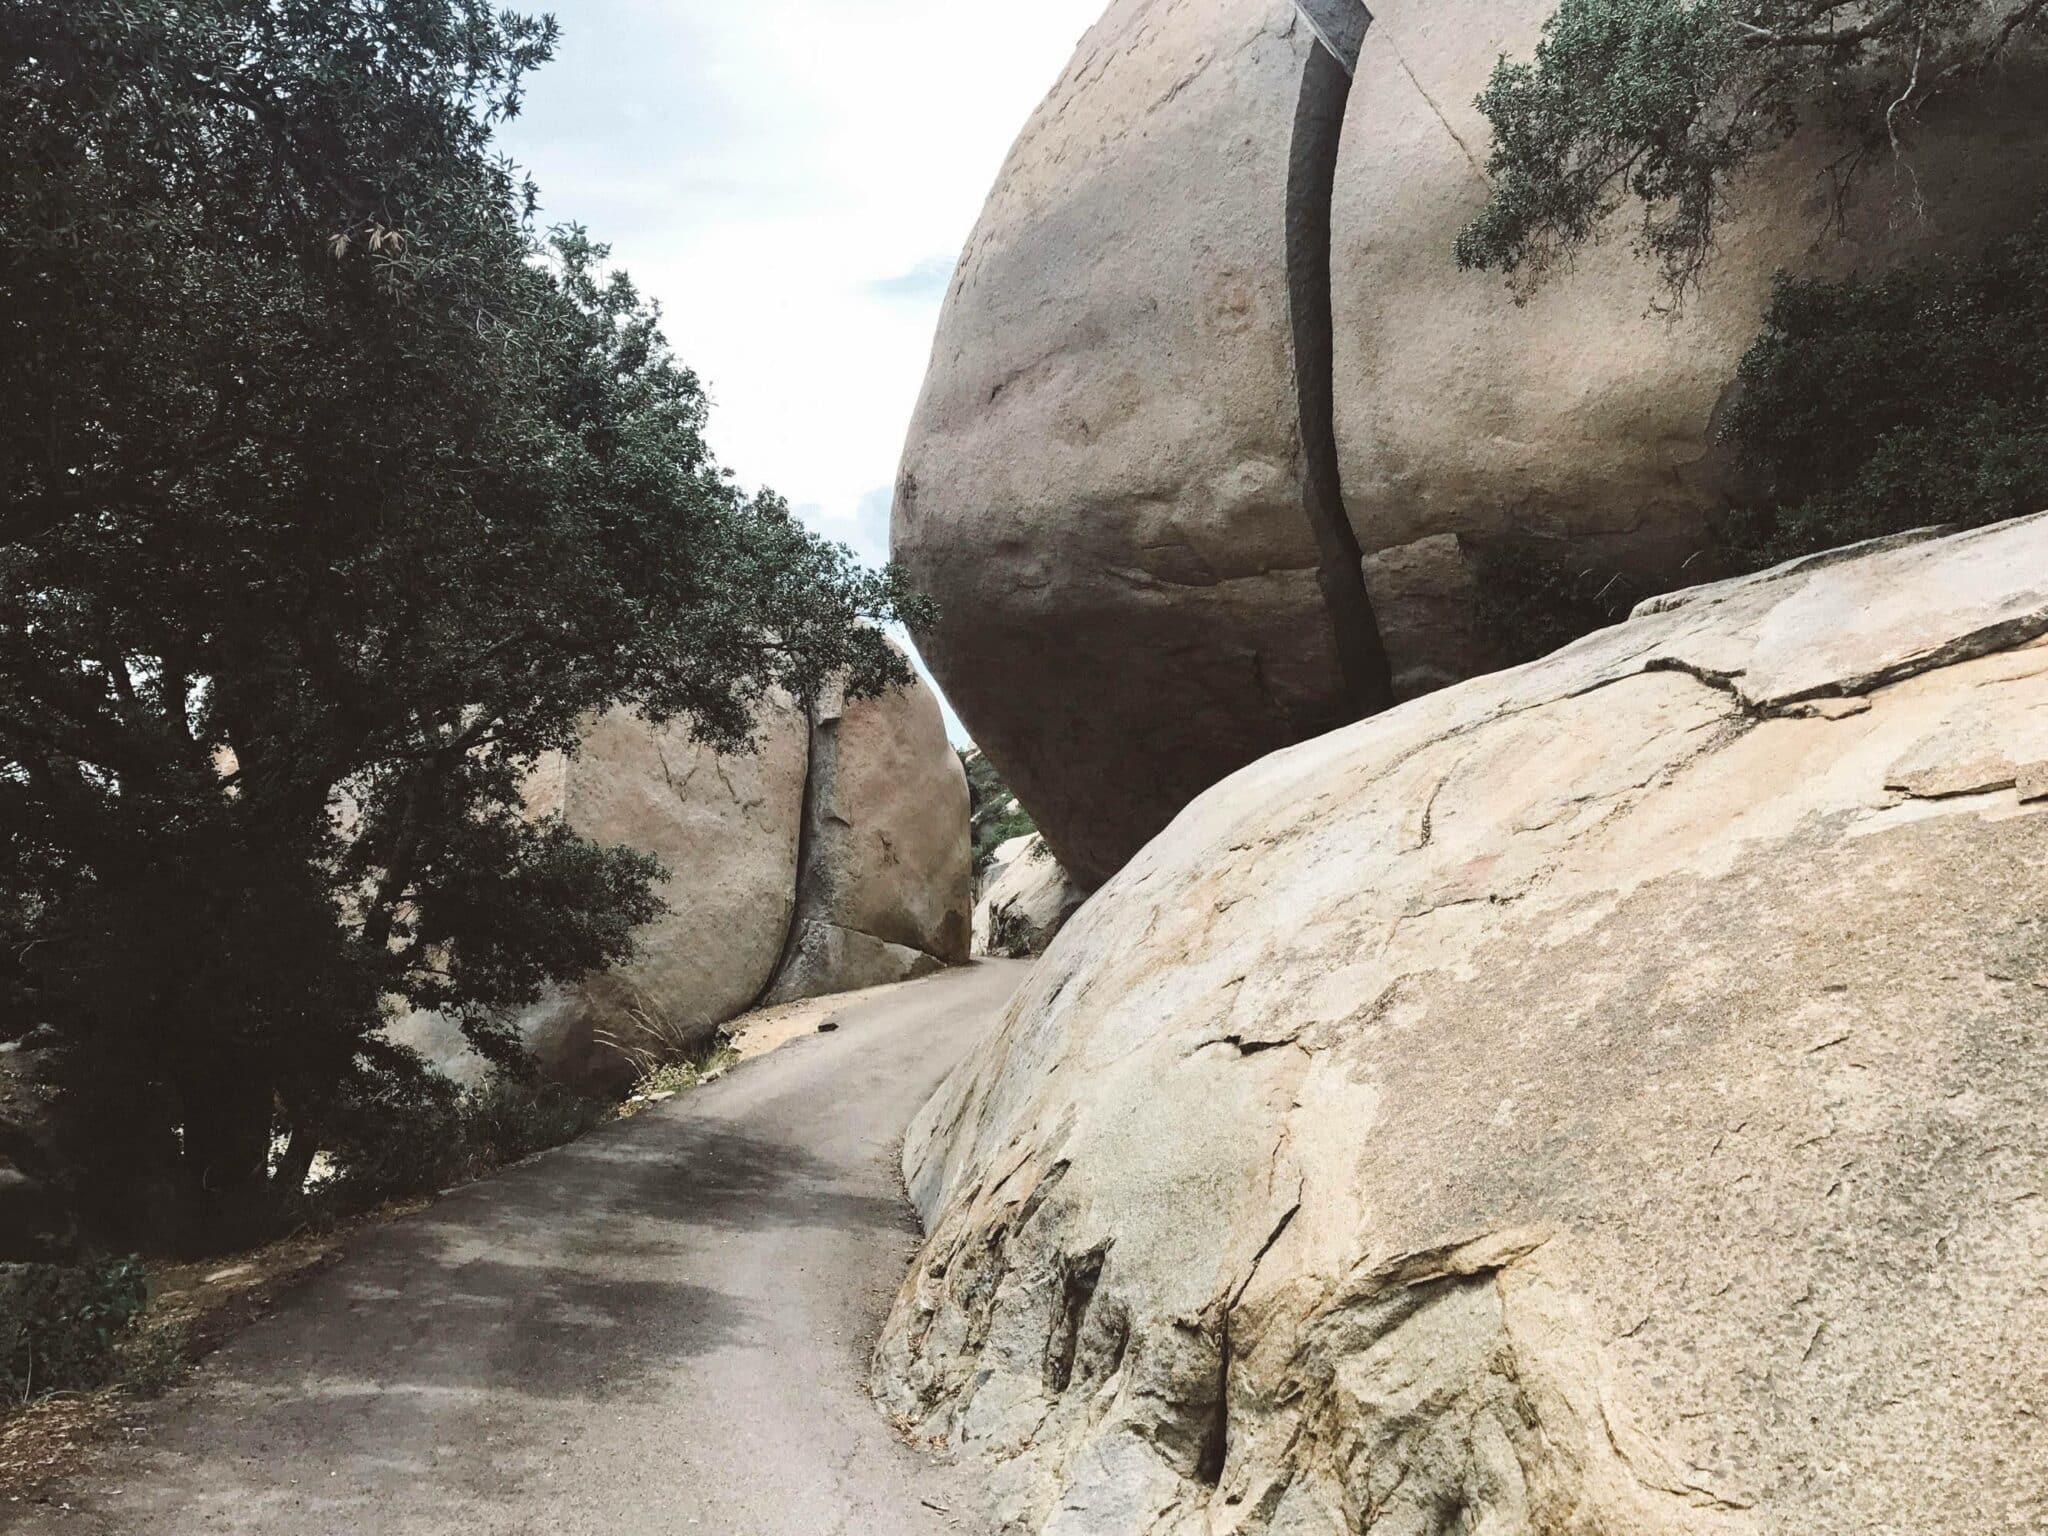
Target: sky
<point>793,181</point>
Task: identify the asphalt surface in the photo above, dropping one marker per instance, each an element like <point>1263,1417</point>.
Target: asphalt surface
<point>661,1329</point>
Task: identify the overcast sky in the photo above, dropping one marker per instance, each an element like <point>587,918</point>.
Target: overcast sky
<point>793,181</point>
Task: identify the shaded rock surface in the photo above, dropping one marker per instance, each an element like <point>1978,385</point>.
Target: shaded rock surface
<point>1587,414</point>
<point>1026,898</point>
<point>1107,487</point>
<point>833,857</point>
<point>885,892</point>
<point>1102,485</point>
<point>1599,1097</point>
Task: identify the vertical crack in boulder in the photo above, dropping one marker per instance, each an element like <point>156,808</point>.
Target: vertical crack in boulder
<point>821,762</point>
<point>1340,27</point>
<point>1063,1345</point>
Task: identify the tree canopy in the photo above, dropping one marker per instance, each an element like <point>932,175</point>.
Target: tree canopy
<point>332,494</point>
<point>1661,102</point>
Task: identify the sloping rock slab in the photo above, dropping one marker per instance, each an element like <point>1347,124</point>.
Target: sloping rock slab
<point>1603,1097</point>
<point>1027,897</point>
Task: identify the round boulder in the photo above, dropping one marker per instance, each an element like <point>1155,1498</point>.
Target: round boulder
<point>727,830</point>
<point>885,892</point>
<point>1214,427</point>
<point>1600,1097</point>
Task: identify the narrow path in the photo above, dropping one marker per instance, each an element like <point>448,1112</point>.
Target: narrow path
<point>662,1329</point>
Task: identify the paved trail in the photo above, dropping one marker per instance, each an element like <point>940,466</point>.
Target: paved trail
<point>662,1329</point>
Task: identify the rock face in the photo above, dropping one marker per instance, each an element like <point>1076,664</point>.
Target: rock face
<point>1601,1097</point>
<point>1587,414</point>
<point>832,858</point>
<point>886,888</point>
<point>1026,898</point>
<point>1102,485</point>
<point>1214,427</point>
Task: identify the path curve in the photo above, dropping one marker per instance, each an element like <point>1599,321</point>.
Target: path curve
<point>662,1329</point>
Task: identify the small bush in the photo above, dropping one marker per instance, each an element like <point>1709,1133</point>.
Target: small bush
<point>1533,597</point>
<point>152,1359</point>
<point>1011,934</point>
<point>393,1136</point>
<point>504,1120</point>
<point>1868,407</point>
<point>59,1326</point>
<point>996,815</point>
<point>693,1070</point>
<point>676,1077</point>
<point>411,1135</point>
<point>668,1055</point>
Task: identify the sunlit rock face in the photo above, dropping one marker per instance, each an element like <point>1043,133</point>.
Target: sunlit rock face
<point>832,856</point>
<point>1599,1097</point>
<point>1208,387</point>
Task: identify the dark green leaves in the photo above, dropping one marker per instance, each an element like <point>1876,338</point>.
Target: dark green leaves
<point>332,495</point>
<point>1920,398</point>
<point>1660,103</point>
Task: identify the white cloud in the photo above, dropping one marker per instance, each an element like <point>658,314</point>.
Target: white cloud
<point>793,180</point>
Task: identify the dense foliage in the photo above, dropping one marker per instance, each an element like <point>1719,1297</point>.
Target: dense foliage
<point>412,1135</point>
<point>1918,398</point>
<point>1866,407</point>
<point>59,1326</point>
<point>996,815</point>
<point>1533,596</point>
<point>1661,102</point>
<point>331,495</point>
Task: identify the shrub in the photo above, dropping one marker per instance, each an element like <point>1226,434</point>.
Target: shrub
<point>59,1326</point>
<point>152,1360</point>
<point>1659,106</point>
<point>996,815</point>
<point>505,1120</point>
<point>1871,406</point>
<point>1866,407</point>
<point>411,1134</point>
<point>1533,597</point>
<point>394,1135</point>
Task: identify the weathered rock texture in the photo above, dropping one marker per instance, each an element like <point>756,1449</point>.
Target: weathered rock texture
<point>1589,412</point>
<point>1103,482</point>
<point>886,891</point>
<point>833,857</point>
<point>1026,898</point>
<point>1121,482</point>
<point>1603,1097</point>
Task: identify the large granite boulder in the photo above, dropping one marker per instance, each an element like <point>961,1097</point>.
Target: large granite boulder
<point>1102,484</point>
<point>1026,898</point>
<point>886,891</point>
<point>1214,428</point>
<point>726,827</point>
<point>1601,1097</point>
<point>831,857</point>
<point>1586,415</point>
